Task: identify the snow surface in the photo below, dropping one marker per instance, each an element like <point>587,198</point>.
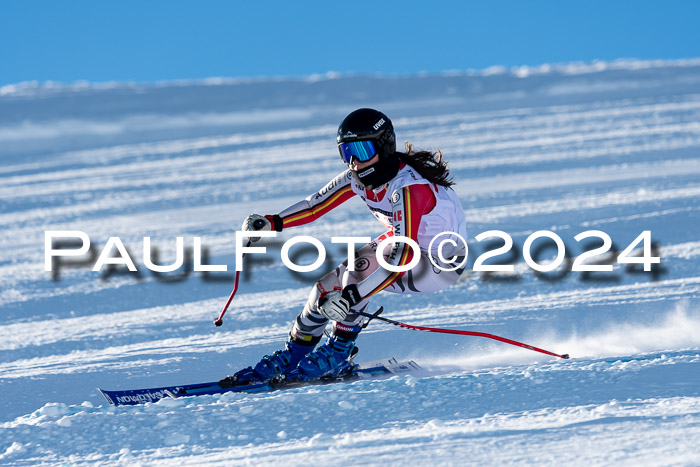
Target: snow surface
<point>611,147</point>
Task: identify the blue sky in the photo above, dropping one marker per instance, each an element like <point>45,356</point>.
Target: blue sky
<point>165,40</point>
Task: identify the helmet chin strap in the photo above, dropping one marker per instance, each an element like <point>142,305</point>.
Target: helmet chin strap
<point>378,173</point>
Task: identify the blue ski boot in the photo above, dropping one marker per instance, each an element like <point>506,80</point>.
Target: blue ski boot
<point>271,366</point>
<point>330,360</point>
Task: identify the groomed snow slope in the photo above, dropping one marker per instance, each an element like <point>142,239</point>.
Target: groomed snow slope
<point>606,146</point>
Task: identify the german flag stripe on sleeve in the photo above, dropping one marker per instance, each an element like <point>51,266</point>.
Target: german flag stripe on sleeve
<point>314,212</point>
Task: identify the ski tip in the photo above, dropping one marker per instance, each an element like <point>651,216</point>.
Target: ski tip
<point>415,365</point>
<point>565,356</point>
<point>109,399</point>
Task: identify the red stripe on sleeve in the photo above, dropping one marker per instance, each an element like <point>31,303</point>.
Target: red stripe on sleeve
<point>311,214</point>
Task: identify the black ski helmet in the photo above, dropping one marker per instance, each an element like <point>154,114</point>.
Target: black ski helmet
<point>371,125</point>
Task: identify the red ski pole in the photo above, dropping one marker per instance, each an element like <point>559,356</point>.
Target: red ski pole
<point>219,321</point>
<point>460,332</point>
<point>258,224</point>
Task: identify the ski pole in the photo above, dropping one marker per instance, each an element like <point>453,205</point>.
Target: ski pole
<point>460,332</point>
<point>258,224</point>
<point>218,321</point>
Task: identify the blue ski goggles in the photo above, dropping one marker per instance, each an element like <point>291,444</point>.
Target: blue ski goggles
<point>362,150</point>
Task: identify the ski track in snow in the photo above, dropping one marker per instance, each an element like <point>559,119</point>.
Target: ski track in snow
<point>613,148</point>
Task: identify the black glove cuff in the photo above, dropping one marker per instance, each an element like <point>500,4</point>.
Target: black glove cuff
<point>351,294</point>
<point>276,221</point>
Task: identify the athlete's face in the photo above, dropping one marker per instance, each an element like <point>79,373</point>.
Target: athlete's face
<point>357,165</point>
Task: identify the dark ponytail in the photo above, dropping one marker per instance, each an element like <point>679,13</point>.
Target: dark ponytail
<point>429,164</point>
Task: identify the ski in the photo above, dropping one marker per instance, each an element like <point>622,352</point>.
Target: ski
<point>369,370</point>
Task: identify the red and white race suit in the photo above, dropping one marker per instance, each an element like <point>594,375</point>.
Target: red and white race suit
<point>408,205</point>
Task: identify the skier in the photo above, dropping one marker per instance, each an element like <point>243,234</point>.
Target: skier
<point>407,192</point>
